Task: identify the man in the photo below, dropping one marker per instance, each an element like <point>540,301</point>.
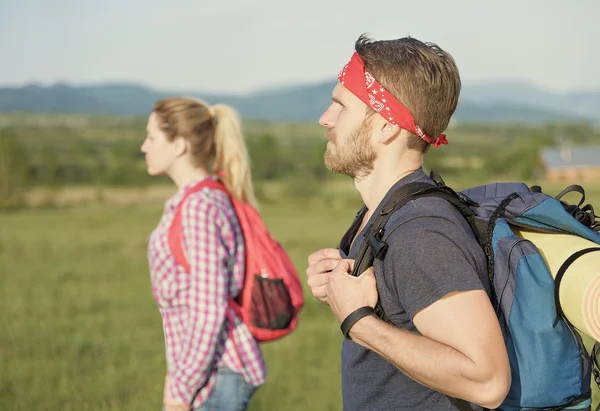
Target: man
<point>442,348</point>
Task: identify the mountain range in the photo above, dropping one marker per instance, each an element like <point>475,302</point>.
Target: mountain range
<point>497,102</point>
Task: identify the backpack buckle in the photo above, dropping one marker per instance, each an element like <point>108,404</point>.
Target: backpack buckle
<point>378,247</point>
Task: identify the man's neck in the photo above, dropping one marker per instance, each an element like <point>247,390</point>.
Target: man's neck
<point>375,186</point>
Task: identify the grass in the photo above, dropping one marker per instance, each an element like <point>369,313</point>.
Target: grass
<point>79,329</point>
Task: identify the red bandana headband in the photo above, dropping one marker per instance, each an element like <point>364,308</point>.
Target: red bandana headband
<point>363,85</point>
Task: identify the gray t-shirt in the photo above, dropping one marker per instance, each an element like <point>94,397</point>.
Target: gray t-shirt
<point>432,252</point>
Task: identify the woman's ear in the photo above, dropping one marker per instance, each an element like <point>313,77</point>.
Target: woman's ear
<point>181,146</point>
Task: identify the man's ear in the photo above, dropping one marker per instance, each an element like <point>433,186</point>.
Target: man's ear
<point>181,146</point>
<point>386,132</point>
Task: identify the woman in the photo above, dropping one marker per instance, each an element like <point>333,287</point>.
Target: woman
<point>190,141</point>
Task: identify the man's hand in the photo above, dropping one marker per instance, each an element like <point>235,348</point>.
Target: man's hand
<point>172,404</point>
<point>346,293</point>
<point>320,263</point>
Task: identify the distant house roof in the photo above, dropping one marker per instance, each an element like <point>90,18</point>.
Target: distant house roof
<point>571,156</point>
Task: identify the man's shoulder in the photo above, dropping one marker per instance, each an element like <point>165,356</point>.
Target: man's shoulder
<point>428,212</point>
<point>425,209</point>
<point>431,231</point>
<point>432,251</point>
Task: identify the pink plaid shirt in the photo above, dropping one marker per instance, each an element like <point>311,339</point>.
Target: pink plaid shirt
<point>194,307</point>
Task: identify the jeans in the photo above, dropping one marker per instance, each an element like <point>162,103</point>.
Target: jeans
<point>230,393</point>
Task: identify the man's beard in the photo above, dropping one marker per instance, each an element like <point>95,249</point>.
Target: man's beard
<point>354,157</point>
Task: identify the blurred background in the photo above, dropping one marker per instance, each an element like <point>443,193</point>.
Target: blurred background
<point>79,329</point>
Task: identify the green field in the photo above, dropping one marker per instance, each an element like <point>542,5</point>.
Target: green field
<point>79,329</point>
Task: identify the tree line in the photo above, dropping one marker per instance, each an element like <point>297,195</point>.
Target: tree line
<point>61,156</point>
<point>55,163</point>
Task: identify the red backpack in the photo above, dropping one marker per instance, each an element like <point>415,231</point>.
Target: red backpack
<point>271,297</point>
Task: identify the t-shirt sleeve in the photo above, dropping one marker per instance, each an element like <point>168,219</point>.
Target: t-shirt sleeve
<point>428,258</point>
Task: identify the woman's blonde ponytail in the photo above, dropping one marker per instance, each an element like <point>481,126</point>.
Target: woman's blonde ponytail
<point>232,162</point>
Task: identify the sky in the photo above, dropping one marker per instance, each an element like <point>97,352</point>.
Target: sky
<point>240,46</point>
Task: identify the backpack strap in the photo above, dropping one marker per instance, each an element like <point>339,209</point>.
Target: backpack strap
<point>174,235</point>
<point>559,276</point>
<point>373,246</point>
<point>437,178</point>
<point>582,213</point>
<point>596,365</point>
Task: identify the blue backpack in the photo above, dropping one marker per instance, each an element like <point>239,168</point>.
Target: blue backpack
<point>550,366</point>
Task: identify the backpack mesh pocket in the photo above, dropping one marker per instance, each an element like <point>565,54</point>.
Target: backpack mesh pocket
<point>271,304</point>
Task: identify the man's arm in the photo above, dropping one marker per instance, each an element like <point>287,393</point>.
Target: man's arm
<point>460,353</point>
<point>433,274</point>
